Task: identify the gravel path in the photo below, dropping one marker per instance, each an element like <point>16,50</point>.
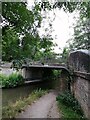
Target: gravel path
<point>45,107</point>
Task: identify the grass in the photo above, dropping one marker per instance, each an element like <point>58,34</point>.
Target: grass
<point>68,112</point>
<point>69,106</point>
<point>13,110</point>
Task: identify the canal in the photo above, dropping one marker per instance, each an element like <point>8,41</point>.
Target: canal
<point>13,94</point>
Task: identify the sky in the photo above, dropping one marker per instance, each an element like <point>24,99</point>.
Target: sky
<point>62,26</point>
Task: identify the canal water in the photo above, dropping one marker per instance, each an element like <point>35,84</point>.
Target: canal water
<point>13,94</point>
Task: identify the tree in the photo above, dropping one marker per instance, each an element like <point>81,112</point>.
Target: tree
<point>22,22</point>
<point>18,16</point>
<point>64,55</point>
<point>81,38</point>
<point>10,45</point>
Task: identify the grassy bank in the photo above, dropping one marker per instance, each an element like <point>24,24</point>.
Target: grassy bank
<point>69,107</point>
<point>13,110</point>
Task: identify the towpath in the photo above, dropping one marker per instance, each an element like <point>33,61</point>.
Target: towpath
<point>45,107</point>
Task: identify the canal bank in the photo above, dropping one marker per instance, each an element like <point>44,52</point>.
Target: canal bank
<point>12,110</point>
<point>11,95</point>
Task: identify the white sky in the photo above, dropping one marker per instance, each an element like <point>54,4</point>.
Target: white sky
<point>62,26</point>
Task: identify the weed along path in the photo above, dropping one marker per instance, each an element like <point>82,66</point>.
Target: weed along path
<point>45,107</point>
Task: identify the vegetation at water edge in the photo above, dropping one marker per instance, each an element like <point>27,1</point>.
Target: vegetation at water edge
<point>13,109</point>
<point>12,80</point>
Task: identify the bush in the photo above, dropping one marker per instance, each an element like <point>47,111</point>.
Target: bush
<point>69,100</point>
<point>39,92</point>
<point>3,80</point>
<point>12,80</point>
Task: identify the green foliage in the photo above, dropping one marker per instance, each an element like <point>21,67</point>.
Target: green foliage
<point>10,45</point>
<point>81,37</point>
<point>19,21</point>
<point>3,80</point>
<point>68,113</point>
<point>64,55</point>
<point>39,92</point>
<point>20,38</point>
<point>15,79</point>
<point>56,73</point>
<point>18,16</point>
<point>69,100</point>
<point>23,22</point>
<point>68,6</point>
<point>12,80</point>
<point>17,64</point>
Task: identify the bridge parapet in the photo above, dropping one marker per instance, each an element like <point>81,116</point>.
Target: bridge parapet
<point>80,61</point>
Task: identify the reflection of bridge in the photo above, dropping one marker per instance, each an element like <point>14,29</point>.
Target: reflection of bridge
<point>33,72</point>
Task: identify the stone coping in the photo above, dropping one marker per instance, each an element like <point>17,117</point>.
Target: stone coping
<point>84,75</point>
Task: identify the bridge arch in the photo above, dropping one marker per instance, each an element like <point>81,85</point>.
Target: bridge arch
<point>36,71</point>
